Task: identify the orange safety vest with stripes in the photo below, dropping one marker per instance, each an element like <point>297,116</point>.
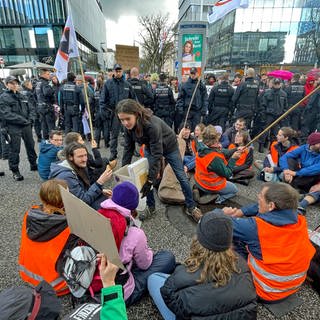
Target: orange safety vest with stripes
<point>37,260</point>
<point>207,179</point>
<point>274,152</point>
<point>286,255</point>
<point>243,157</point>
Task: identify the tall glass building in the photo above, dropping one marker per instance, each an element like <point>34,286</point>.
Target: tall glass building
<point>31,30</point>
<point>267,33</point>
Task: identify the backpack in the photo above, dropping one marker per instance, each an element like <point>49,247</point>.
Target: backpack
<point>20,303</point>
<point>314,268</point>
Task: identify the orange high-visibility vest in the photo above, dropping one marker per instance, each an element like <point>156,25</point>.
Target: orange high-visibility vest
<point>141,151</point>
<point>37,260</point>
<point>286,255</point>
<point>274,152</point>
<point>206,179</point>
<point>243,157</point>
<point>194,145</point>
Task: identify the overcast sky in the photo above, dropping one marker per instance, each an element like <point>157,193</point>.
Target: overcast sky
<point>122,23</point>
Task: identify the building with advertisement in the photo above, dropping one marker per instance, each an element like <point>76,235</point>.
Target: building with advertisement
<point>268,34</point>
<point>31,30</point>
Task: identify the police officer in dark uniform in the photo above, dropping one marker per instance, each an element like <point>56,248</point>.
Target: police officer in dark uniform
<point>72,103</point>
<point>164,103</point>
<point>4,148</point>
<point>45,100</point>
<point>200,102</point>
<point>143,92</point>
<point>98,124</point>
<point>220,102</point>
<point>295,92</point>
<point>245,98</point>
<point>18,116</point>
<point>274,104</point>
<point>114,90</point>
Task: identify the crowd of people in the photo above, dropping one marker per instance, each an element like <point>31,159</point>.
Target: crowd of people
<point>238,257</point>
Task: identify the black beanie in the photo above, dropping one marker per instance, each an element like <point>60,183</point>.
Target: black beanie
<point>214,231</point>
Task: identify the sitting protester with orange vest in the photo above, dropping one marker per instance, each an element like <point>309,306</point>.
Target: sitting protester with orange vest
<point>45,237</point>
<point>274,238</point>
<point>242,171</point>
<point>212,168</point>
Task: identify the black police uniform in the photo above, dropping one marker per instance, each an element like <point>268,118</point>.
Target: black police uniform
<point>220,104</point>
<point>98,123</point>
<point>245,100</point>
<point>164,103</point>
<point>295,92</point>
<point>143,93</point>
<point>199,105</point>
<point>45,100</point>
<point>72,103</point>
<point>18,117</point>
<point>114,90</point>
<point>4,148</point>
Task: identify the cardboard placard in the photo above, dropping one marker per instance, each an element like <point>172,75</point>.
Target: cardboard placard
<point>90,226</point>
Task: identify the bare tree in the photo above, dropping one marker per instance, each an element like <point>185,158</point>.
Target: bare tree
<point>157,43</point>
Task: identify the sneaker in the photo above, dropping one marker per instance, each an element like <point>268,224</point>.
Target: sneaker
<point>17,176</point>
<point>196,194</point>
<point>302,211</point>
<point>147,213</point>
<point>195,213</point>
<point>34,167</point>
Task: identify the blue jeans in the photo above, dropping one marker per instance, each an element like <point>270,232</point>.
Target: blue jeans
<point>163,261</point>
<point>155,282</point>
<point>229,191</point>
<point>175,161</point>
<point>189,162</point>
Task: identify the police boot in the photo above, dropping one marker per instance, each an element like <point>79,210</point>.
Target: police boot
<point>261,148</point>
<point>17,176</point>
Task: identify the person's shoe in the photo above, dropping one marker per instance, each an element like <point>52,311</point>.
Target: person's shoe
<point>261,148</point>
<point>244,182</point>
<point>17,176</point>
<point>112,164</point>
<point>1,173</point>
<point>302,211</point>
<point>147,213</point>
<point>194,213</point>
<point>34,167</point>
<point>196,194</point>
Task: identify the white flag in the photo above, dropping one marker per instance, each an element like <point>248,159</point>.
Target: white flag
<point>223,7</point>
<point>68,48</point>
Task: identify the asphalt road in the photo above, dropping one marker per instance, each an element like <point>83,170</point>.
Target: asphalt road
<point>17,197</point>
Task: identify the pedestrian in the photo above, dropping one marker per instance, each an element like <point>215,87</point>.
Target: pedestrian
<point>115,90</point>
<point>17,117</point>
<point>160,141</point>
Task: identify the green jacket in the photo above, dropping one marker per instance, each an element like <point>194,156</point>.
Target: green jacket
<point>113,306</point>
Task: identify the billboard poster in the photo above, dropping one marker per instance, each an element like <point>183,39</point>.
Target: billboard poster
<point>192,45</point>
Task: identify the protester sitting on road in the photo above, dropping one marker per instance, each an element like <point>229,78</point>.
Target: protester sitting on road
<point>139,259</point>
<point>301,167</point>
<point>230,133</point>
<point>45,237</point>
<point>312,197</point>
<point>197,137</point>
<point>189,157</point>
<point>74,171</point>
<point>274,238</point>
<point>48,151</point>
<point>212,168</point>
<point>213,283</point>
<point>242,171</point>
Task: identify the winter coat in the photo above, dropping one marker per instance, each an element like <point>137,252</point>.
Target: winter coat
<point>143,92</point>
<point>189,299</point>
<point>274,102</point>
<point>246,94</point>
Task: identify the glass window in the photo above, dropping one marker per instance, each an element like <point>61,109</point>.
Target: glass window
<point>12,38</point>
<point>247,14</point>
<point>294,28</point>
<point>286,14</point>
<point>41,37</point>
<point>269,3</point>
<point>275,26</point>
<point>296,14</point>
<point>267,14</point>
<point>265,26</point>
<point>285,27</point>
<point>257,14</point>
<point>276,14</point>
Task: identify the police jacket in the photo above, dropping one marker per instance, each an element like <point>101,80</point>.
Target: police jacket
<point>221,96</point>
<point>295,93</point>
<point>164,102</point>
<point>274,102</point>
<point>200,101</point>
<point>30,100</point>
<point>71,95</point>
<point>44,92</point>
<point>14,110</point>
<point>143,93</point>
<point>189,299</point>
<point>246,93</point>
<point>97,94</point>
<point>114,90</point>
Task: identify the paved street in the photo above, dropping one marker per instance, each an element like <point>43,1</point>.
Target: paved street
<point>17,197</point>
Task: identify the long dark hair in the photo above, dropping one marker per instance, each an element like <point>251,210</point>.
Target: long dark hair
<point>143,115</point>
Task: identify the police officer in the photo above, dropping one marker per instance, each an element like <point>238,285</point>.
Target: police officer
<point>72,103</point>
<point>45,100</point>
<point>200,102</point>
<point>220,102</point>
<point>295,92</point>
<point>114,90</point>
<point>274,104</point>
<point>18,116</point>
<point>4,148</point>
<point>245,98</point>
<point>164,103</point>
<point>143,92</point>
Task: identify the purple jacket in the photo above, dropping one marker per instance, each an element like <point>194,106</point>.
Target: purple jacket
<point>133,249</point>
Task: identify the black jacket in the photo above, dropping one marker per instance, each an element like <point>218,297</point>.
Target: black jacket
<point>159,140</point>
<point>275,102</point>
<point>164,102</point>
<point>188,299</point>
<point>44,92</point>
<point>29,99</point>
<point>14,110</point>
<point>143,93</point>
<point>221,96</point>
<point>200,101</point>
<point>114,90</point>
<point>246,94</point>
<point>295,92</point>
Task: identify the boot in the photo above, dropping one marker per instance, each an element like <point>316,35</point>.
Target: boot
<point>261,148</point>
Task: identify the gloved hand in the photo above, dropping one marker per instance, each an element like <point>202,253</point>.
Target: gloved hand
<point>146,188</point>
